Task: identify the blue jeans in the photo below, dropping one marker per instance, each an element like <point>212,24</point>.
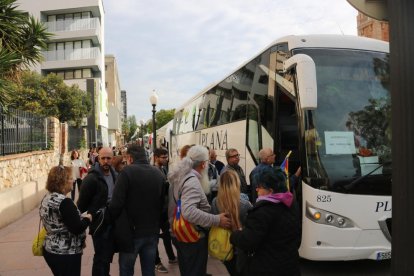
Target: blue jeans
<point>146,247</point>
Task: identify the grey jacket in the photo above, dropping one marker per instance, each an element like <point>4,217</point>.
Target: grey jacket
<point>194,205</point>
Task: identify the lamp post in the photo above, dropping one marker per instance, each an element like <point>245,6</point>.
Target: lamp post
<point>142,131</point>
<point>153,100</point>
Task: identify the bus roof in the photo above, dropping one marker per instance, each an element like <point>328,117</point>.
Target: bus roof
<point>334,41</point>
<point>312,41</point>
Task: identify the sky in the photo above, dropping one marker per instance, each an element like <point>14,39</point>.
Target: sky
<point>179,47</point>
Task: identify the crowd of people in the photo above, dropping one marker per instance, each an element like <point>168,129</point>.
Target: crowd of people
<point>129,203</point>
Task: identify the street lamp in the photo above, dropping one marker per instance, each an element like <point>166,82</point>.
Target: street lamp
<point>153,100</point>
<point>142,131</point>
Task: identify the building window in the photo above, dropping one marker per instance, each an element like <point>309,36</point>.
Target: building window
<point>78,74</point>
<point>86,14</point>
<point>87,73</point>
<point>68,75</point>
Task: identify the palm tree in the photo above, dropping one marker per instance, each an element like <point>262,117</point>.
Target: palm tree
<point>22,39</point>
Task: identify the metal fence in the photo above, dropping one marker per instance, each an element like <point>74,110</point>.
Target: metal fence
<point>22,131</point>
<point>75,138</point>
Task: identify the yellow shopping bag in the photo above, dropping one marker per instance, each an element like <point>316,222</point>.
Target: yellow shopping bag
<point>37,246</point>
<point>219,245</point>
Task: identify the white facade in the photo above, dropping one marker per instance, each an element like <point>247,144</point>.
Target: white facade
<point>113,86</point>
<point>76,50</point>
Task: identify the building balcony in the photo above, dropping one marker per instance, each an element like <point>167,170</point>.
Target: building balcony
<point>88,28</point>
<point>73,58</point>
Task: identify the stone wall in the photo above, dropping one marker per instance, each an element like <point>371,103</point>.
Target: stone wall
<point>23,176</point>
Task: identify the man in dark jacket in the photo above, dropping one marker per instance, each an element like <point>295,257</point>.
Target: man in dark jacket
<point>95,194</point>
<point>135,208</point>
<point>213,160</point>
<point>233,159</point>
<point>161,162</point>
<point>267,159</point>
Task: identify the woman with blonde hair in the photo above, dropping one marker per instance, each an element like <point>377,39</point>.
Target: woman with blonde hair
<point>65,227</point>
<point>228,200</point>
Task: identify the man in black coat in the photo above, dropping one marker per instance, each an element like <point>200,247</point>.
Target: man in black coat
<point>95,194</point>
<point>135,209</point>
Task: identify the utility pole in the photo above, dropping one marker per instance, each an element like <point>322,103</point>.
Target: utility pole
<point>402,101</point>
<point>399,13</point>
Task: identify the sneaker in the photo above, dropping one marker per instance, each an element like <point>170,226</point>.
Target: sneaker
<point>161,268</point>
<point>173,261</point>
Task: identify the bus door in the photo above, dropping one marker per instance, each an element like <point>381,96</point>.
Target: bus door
<point>253,130</point>
<point>287,133</point>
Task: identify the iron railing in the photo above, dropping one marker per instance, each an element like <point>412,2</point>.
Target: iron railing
<point>22,131</point>
<point>75,138</point>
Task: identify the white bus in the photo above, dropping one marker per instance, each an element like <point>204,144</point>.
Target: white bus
<point>326,98</point>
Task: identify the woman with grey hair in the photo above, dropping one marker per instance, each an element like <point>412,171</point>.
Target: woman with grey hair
<point>187,183</point>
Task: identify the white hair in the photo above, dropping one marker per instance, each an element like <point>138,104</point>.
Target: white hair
<point>195,156</point>
<point>264,153</point>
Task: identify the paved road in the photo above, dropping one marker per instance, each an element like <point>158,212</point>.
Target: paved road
<point>348,268</point>
<point>16,253</point>
<point>16,257</point>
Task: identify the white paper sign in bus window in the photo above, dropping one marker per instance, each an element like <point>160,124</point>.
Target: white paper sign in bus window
<point>340,142</point>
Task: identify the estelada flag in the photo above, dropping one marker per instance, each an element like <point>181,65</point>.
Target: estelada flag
<point>285,168</point>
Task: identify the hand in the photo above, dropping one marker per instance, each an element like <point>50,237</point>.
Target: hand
<point>298,172</point>
<point>87,215</point>
<point>225,220</point>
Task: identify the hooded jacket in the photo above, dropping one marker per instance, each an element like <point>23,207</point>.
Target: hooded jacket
<point>270,237</point>
<point>93,195</point>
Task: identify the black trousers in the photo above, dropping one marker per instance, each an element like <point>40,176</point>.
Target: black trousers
<point>78,182</point>
<point>192,257</point>
<point>166,238</point>
<point>63,265</point>
<point>103,244</point>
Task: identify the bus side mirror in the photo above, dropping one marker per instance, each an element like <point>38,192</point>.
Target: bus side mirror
<point>306,77</point>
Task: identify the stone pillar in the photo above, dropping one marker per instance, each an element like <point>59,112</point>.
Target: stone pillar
<point>54,133</point>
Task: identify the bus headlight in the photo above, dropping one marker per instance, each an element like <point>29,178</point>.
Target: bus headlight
<point>324,217</point>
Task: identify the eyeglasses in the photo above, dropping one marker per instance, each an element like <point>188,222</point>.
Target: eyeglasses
<point>235,156</point>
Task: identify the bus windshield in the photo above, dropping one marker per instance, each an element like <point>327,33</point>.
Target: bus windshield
<point>348,136</point>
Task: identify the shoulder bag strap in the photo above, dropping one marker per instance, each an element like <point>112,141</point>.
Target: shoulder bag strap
<point>40,219</point>
<point>179,192</point>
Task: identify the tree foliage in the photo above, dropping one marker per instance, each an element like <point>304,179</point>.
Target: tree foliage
<point>129,127</point>
<point>162,117</point>
<point>50,96</point>
<point>22,39</point>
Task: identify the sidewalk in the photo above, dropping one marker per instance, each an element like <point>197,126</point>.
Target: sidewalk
<point>16,253</point>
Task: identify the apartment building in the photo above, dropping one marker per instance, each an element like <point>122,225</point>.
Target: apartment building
<point>124,104</point>
<point>77,53</point>
<point>113,87</point>
<point>372,28</point>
